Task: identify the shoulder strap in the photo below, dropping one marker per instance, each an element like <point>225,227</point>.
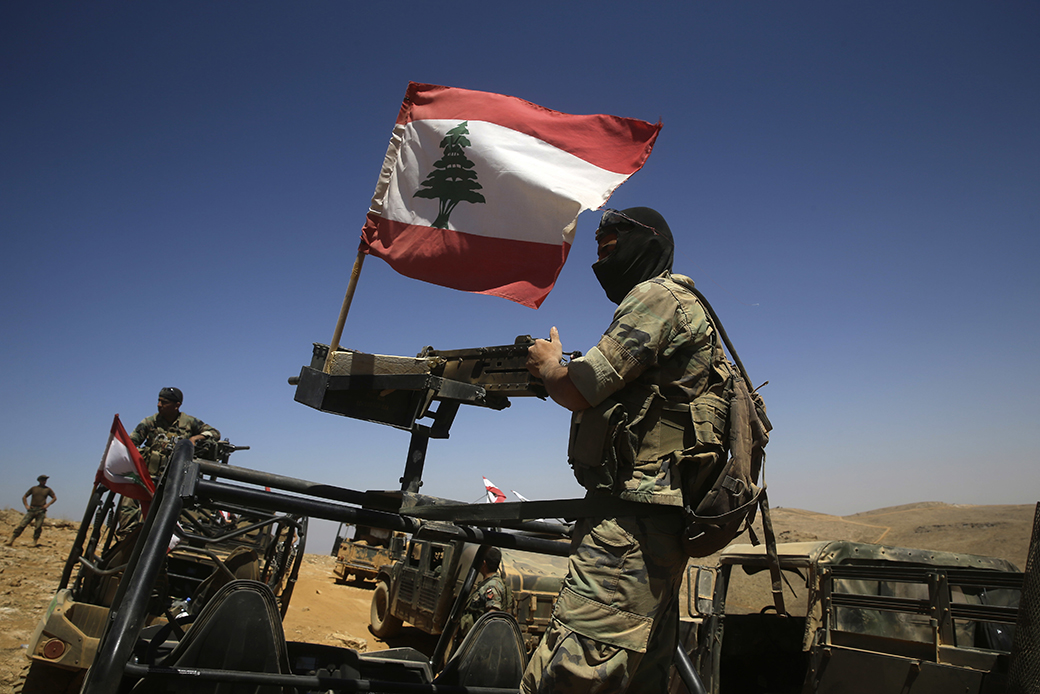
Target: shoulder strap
<point>767,522</point>
<point>773,558</point>
<point>717,324</point>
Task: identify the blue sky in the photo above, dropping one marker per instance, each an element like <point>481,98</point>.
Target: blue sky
<point>855,186</point>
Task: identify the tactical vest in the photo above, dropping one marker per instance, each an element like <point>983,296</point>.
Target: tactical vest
<point>710,450</point>
<point>633,445</point>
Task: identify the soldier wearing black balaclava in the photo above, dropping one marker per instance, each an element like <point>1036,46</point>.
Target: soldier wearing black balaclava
<point>632,437</point>
<point>643,249</point>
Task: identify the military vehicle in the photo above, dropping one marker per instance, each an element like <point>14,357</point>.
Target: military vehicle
<point>366,551</point>
<point>209,546</point>
<point>852,618</point>
<point>423,588</point>
<point>236,639</point>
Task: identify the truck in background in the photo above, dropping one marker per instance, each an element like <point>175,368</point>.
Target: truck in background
<point>858,618</point>
<point>423,587</point>
<point>362,550</point>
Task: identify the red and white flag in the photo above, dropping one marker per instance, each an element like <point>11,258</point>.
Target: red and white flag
<point>494,494</point>
<point>122,470</point>
<point>481,192</point>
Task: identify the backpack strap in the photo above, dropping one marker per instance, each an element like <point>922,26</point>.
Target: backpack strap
<point>773,558</point>
<point>717,324</point>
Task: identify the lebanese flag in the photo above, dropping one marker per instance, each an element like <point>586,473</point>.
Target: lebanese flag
<point>494,494</point>
<point>481,192</point>
<point>122,470</point>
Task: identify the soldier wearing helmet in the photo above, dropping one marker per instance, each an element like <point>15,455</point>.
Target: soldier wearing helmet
<point>634,437</point>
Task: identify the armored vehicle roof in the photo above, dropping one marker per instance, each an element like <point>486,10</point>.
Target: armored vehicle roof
<point>798,554</point>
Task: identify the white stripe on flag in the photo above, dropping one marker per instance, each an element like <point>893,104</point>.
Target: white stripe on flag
<point>533,190</point>
<point>118,464</point>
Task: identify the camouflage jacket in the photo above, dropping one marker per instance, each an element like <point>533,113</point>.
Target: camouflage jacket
<point>154,436</point>
<point>489,594</point>
<point>656,359</point>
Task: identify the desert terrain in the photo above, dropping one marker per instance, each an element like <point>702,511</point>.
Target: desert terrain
<point>325,611</point>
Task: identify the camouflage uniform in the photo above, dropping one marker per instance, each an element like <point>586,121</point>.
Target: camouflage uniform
<point>36,513</point>
<point>489,594</point>
<point>615,622</point>
<point>155,436</point>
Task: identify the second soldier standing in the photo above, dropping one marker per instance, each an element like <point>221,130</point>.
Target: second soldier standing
<point>36,505</point>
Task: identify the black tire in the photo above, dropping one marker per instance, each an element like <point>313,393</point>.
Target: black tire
<point>383,624</point>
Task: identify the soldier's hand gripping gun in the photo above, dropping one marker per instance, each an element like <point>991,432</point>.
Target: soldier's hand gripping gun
<point>501,370</point>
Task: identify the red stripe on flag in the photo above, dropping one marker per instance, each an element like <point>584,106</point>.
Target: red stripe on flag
<point>582,136</point>
<point>520,271</point>
<point>120,433</point>
<point>144,491</point>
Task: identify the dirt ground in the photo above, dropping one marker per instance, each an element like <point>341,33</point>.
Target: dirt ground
<point>323,611</point>
<point>28,577</point>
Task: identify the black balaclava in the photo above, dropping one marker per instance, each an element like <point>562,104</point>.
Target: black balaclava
<point>640,254</point>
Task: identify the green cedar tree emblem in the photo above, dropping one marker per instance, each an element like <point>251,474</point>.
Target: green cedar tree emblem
<point>453,179</point>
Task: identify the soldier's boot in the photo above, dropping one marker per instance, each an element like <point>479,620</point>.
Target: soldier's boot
<point>10,543</point>
<point>36,540</point>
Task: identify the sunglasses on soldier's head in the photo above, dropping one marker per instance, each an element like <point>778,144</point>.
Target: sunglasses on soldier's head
<point>614,221</point>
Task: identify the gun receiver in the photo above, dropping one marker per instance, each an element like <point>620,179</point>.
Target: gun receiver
<point>501,370</point>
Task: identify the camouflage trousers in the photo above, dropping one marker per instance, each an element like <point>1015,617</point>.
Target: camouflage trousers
<point>615,624</point>
<point>33,515</point>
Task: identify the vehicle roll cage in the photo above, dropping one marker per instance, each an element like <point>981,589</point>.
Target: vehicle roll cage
<point>189,482</point>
